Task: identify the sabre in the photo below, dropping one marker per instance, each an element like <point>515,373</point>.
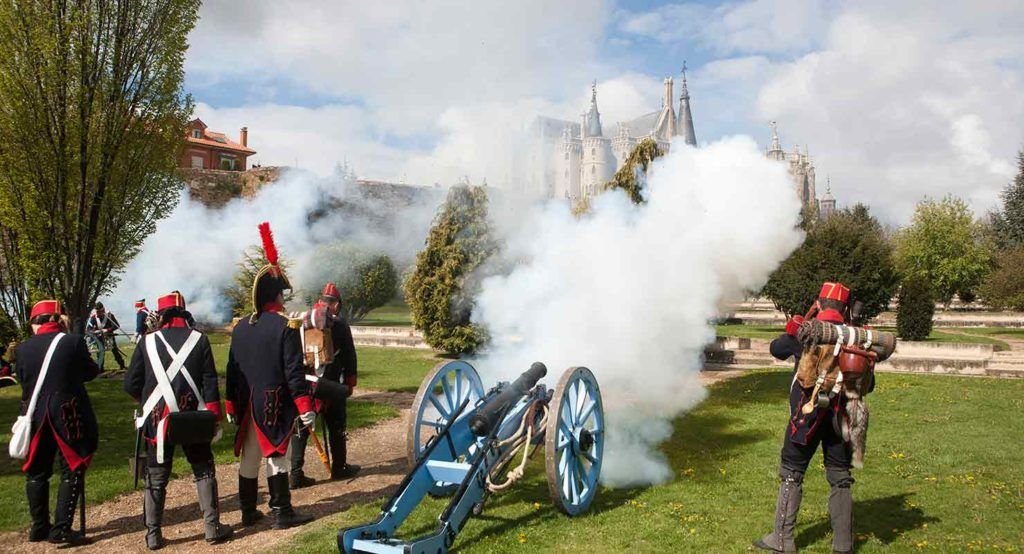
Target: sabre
<point>318,446</point>
<point>138,446</point>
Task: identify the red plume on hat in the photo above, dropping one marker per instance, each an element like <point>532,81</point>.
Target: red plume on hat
<point>269,248</point>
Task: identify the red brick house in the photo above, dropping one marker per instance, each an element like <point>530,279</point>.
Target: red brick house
<point>210,150</point>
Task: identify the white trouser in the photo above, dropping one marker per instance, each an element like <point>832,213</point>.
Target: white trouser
<point>249,463</point>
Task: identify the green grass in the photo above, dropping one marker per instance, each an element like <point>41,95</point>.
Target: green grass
<point>109,475</point>
<point>394,369</point>
<point>942,473</point>
<point>1004,332</point>
<point>749,331</point>
<point>395,314</point>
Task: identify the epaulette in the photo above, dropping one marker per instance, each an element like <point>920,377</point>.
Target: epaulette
<point>294,323</point>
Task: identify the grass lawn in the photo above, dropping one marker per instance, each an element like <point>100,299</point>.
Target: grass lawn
<point>767,332</point>
<point>942,473</point>
<point>394,369</point>
<point>395,314</point>
<point>109,474</point>
<point>998,332</point>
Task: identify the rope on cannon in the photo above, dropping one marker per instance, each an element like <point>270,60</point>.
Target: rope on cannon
<point>521,439</point>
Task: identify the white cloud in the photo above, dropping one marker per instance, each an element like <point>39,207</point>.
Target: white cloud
<point>903,103</point>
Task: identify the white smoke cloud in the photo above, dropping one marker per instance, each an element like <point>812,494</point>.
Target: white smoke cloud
<point>196,250</point>
<point>629,290</point>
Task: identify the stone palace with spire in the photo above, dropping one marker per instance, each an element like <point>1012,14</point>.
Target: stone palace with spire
<point>801,170</point>
<point>572,160</point>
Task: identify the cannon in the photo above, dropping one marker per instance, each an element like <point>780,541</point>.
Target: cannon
<point>462,442</point>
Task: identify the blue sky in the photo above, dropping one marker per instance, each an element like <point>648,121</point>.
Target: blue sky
<point>894,101</point>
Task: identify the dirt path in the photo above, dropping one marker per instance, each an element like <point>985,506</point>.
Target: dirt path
<point>116,525</point>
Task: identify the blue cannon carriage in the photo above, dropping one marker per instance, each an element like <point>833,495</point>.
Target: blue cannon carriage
<point>464,442</point>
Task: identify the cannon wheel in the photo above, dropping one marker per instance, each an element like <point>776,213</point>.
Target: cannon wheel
<point>96,348</point>
<point>440,394</point>
<point>574,441</point>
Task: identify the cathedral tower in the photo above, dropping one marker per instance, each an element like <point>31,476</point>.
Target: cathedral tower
<point>598,163</point>
<point>685,124</point>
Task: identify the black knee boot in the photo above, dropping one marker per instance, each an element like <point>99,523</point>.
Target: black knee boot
<point>38,493</point>
<point>64,513</point>
<point>281,503</point>
<point>340,468</point>
<point>247,492</point>
<point>297,479</point>
<point>206,490</point>
<point>155,496</point>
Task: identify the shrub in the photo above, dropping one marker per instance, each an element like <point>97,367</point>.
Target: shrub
<point>849,247</point>
<point>440,289</point>
<point>1004,286</point>
<point>366,279</point>
<point>916,309</point>
<point>239,293</point>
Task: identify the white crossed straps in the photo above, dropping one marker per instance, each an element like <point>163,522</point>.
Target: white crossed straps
<point>163,381</point>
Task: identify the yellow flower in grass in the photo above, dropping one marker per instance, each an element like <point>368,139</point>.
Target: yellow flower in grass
<point>522,538</point>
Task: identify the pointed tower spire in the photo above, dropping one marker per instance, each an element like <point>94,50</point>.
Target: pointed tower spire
<point>685,116</point>
<point>775,136</point>
<point>592,119</point>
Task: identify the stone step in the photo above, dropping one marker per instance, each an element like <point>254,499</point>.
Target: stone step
<point>1005,372</point>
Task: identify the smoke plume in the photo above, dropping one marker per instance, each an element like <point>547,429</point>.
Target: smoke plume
<point>196,250</point>
<point>628,291</point>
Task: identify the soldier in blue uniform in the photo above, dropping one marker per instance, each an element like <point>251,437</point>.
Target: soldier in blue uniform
<point>63,421</point>
<point>267,392</point>
<point>189,388</point>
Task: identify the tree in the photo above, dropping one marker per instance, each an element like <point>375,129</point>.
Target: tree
<point>1004,286</point>
<point>916,309</point>
<point>1008,223</point>
<point>446,276</point>
<point>849,247</point>
<point>92,116</point>
<point>365,279</point>
<point>239,293</point>
<point>945,245</point>
<point>632,176</point>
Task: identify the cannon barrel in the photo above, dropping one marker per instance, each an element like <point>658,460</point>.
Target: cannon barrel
<point>487,416</point>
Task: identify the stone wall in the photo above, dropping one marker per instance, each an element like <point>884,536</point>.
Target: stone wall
<point>215,187</point>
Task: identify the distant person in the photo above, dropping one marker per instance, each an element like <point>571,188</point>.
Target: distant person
<point>804,433</point>
<point>141,319</point>
<point>342,368</point>
<point>105,324</point>
<point>268,395</point>
<point>63,421</point>
<point>191,388</point>
<point>7,377</point>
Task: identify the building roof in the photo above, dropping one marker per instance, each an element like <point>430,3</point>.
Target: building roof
<point>213,139</point>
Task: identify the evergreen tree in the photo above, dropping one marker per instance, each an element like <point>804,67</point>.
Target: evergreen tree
<point>92,116</point>
<point>850,247</point>
<point>916,308</point>
<point>632,176</point>
<point>441,287</point>
<point>239,293</point>
<point>1009,222</point>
